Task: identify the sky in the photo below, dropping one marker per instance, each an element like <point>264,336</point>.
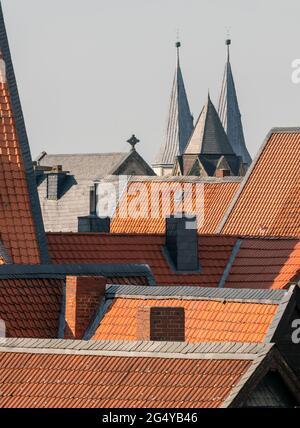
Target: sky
<point>91,73</point>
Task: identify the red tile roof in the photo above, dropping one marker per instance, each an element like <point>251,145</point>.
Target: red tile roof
<point>31,307</point>
<point>265,263</point>
<point>268,201</point>
<point>47,380</point>
<point>205,320</point>
<point>17,227</point>
<point>214,252</point>
<point>217,197</point>
<point>259,263</point>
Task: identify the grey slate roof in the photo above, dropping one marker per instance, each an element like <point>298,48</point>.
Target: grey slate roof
<point>23,141</point>
<point>60,271</point>
<point>179,123</point>
<point>201,293</point>
<point>62,215</point>
<point>86,166</point>
<point>230,115</point>
<point>209,137</point>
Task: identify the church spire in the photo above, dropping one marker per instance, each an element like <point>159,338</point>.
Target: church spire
<point>179,123</point>
<point>229,112</point>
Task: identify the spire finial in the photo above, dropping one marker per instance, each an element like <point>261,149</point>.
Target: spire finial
<point>133,142</point>
<point>228,43</point>
<point>178,44</point>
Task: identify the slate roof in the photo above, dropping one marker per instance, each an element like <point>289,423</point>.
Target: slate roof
<point>209,137</point>
<point>268,201</point>
<point>211,315</point>
<point>179,123</point>
<point>87,374</point>
<point>230,114</point>
<point>218,193</point>
<point>21,224</point>
<point>268,263</point>
<point>84,166</point>
<point>84,170</point>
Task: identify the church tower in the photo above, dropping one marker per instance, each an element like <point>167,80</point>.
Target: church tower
<point>209,152</point>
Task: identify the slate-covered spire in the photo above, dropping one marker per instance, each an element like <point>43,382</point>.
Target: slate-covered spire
<point>229,113</point>
<point>21,225</point>
<point>179,123</point>
<point>209,137</point>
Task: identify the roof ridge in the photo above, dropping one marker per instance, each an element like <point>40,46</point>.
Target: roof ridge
<point>260,296</point>
<point>84,154</point>
<point>205,350</point>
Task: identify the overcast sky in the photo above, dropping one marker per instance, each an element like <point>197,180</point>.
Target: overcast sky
<point>92,72</point>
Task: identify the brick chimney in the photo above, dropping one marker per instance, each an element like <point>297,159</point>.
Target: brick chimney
<point>223,173</point>
<point>161,324</point>
<point>182,242</point>
<point>83,297</point>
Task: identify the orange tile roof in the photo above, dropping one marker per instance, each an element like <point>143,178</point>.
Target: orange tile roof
<point>35,380</point>
<point>205,320</point>
<point>217,196</point>
<point>214,252</point>
<point>265,263</point>
<point>16,221</point>
<point>268,201</point>
<point>31,307</point>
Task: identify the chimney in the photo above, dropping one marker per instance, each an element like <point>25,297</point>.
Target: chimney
<point>92,223</point>
<point>222,173</point>
<point>83,297</point>
<point>55,179</point>
<point>162,324</point>
<point>182,242</point>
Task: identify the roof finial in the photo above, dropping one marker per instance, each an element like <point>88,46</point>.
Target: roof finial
<point>178,44</point>
<point>133,142</point>
<point>228,43</point>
